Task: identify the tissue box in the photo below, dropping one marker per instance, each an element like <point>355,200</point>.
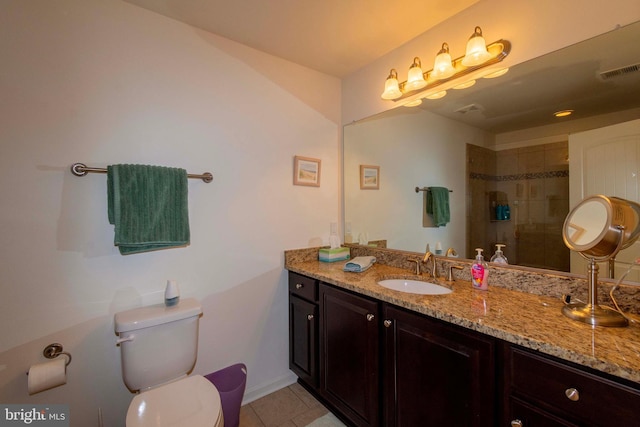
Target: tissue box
<point>335,254</point>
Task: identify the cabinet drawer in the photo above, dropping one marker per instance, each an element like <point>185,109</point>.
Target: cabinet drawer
<point>576,394</point>
<point>303,286</point>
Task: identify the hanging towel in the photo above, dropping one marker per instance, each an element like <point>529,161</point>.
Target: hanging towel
<point>438,205</point>
<point>359,264</point>
<point>148,207</point>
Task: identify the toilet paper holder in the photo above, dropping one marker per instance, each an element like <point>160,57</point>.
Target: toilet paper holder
<point>54,350</point>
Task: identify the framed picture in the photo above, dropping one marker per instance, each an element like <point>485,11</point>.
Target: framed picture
<point>306,171</point>
<point>369,177</point>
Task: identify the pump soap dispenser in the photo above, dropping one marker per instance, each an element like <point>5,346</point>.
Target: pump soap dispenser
<point>499,257</point>
<point>479,272</point>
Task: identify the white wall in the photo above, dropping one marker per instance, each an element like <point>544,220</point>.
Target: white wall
<point>432,154</point>
<point>105,82</point>
<point>533,28</point>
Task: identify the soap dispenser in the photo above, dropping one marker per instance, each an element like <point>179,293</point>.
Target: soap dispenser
<point>499,257</point>
<point>479,272</point>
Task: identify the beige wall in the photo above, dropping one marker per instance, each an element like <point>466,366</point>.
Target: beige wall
<point>533,27</point>
<point>105,82</point>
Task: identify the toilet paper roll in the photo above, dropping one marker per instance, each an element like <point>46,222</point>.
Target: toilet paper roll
<point>44,376</point>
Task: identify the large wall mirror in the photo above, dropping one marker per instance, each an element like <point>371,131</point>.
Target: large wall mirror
<point>498,143</point>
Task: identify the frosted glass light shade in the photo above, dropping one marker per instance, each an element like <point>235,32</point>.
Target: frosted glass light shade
<point>442,67</point>
<point>476,50</point>
<point>391,87</point>
<point>415,78</point>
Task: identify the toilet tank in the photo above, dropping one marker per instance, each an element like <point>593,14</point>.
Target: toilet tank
<point>158,343</point>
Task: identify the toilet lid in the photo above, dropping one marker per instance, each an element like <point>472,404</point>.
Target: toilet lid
<point>190,402</point>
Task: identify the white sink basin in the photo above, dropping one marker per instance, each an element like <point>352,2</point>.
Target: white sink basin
<point>414,287</point>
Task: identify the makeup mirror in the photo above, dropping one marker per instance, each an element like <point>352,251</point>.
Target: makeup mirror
<point>598,228</point>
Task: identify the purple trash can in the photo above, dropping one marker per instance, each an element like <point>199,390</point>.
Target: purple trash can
<point>230,383</point>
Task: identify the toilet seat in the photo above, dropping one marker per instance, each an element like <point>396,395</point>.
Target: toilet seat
<point>190,402</point>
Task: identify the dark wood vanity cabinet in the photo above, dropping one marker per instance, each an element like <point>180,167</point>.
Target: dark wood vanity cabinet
<point>303,328</point>
<point>349,358</point>
<point>381,365</point>
<point>376,364</point>
<point>436,374</point>
<point>542,391</point>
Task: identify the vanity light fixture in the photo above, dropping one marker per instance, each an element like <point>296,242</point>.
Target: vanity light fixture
<point>445,70</point>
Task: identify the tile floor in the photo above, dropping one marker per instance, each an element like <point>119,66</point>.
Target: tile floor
<point>291,406</point>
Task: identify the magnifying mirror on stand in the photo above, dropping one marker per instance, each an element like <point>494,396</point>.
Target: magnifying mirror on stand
<point>598,228</point>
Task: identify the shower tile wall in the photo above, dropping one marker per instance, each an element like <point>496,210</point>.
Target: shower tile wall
<point>534,181</point>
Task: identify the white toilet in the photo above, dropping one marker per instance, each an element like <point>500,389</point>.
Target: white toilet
<point>158,347</point>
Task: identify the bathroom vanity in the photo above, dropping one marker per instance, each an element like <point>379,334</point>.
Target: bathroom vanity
<point>502,357</point>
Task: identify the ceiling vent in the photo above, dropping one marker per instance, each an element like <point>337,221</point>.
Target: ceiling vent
<point>469,108</point>
<point>606,75</point>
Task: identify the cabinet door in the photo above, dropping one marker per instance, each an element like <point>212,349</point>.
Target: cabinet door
<point>349,362</point>
<point>436,374</point>
<point>302,339</point>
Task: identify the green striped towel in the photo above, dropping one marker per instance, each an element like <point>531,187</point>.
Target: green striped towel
<point>438,205</point>
<point>148,207</point>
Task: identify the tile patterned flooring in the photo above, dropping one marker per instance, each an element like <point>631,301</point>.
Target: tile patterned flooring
<point>291,406</point>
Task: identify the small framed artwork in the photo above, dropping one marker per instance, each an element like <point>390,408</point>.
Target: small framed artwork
<point>306,171</point>
<point>369,177</point>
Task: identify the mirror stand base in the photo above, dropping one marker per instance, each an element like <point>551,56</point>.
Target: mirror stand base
<point>595,315</point>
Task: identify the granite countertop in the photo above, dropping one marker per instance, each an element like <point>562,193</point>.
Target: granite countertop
<point>529,320</point>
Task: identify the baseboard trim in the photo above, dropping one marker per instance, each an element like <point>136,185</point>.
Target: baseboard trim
<point>262,390</point>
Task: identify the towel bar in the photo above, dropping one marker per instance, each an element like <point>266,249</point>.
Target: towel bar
<point>80,169</point>
<point>418,189</point>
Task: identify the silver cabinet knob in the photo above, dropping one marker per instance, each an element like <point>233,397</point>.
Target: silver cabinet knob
<point>309,316</point>
<point>370,317</point>
<point>516,423</point>
<point>387,323</point>
<point>299,285</point>
<point>572,394</point>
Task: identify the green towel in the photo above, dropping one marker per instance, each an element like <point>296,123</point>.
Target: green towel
<point>148,207</point>
<point>438,205</point>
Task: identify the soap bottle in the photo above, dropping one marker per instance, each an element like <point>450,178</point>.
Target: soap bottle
<point>506,211</point>
<point>479,272</point>
<point>499,257</point>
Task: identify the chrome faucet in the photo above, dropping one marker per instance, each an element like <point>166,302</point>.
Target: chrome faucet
<point>434,271</point>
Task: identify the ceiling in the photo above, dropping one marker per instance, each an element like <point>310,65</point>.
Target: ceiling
<point>336,37</point>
